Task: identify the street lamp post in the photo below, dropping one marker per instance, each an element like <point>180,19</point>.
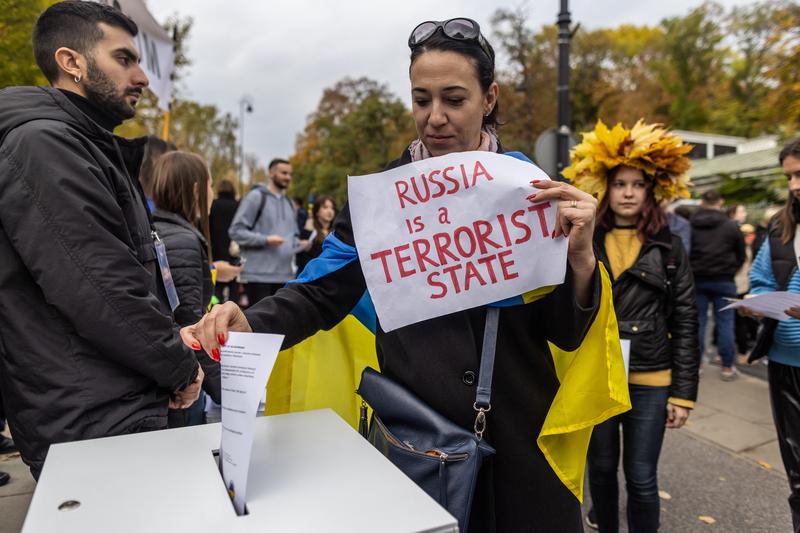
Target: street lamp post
<point>564,111</point>
<point>245,106</point>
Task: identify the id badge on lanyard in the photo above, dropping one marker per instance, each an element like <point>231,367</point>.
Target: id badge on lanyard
<point>166,274</point>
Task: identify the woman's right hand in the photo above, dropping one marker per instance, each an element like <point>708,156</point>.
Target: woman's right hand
<point>212,330</point>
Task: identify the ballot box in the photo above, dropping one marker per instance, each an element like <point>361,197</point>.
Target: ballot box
<point>309,472</point>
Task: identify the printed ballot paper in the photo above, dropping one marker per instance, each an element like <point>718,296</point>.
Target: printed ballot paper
<point>451,233</point>
<point>245,364</point>
<point>769,304</point>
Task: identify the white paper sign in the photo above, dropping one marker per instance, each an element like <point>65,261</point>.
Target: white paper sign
<point>770,304</point>
<point>246,362</point>
<point>625,344</point>
<point>451,233</point>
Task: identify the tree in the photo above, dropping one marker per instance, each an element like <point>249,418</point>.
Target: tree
<point>753,34</point>
<point>691,68</point>
<point>783,101</point>
<point>358,127</point>
<point>17,65</point>
<point>632,88</point>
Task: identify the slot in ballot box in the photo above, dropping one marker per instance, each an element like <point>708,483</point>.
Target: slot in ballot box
<point>309,472</point>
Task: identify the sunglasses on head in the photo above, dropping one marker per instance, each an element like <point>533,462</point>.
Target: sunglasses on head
<point>459,29</point>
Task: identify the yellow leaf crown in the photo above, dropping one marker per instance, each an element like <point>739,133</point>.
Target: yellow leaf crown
<point>651,148</point>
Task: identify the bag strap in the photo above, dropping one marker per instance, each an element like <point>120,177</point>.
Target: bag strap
<point>483,395</point>
<point>261,205</point>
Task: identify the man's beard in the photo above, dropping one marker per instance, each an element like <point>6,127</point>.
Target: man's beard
<point>282,185</point>
<point>101,91</point>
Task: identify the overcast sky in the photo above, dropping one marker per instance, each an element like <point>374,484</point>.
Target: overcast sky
<point>284,54</point>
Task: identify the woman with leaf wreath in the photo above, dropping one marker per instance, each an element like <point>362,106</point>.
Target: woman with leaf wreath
<point>633,172</point>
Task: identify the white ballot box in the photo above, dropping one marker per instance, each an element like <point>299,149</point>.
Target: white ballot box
<point>308,472</point>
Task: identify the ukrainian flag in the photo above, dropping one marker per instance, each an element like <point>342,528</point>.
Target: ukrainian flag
<point>324,370</point>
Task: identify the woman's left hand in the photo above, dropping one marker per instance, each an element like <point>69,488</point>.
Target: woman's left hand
<point>676,416</point>
<point>575,218</point>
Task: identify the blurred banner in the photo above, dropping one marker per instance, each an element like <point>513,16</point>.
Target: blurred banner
<point>155,45</point>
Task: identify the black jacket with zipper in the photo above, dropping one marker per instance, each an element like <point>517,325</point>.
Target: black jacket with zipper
<point>655,305</point>
<point>88,346</point>
<point>187,253</point>
<point>717,246</point>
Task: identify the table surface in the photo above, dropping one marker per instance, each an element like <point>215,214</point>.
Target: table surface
<point>308,472</point>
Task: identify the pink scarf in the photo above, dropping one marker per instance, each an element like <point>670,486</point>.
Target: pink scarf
<point>489,143</point>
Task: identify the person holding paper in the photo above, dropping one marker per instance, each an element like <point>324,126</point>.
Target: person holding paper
<point>632,172</point>
<point>776,268</point>
<point>265,227</point>
<point>455,99</point>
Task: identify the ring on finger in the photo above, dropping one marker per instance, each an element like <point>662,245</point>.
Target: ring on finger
<point>574,204</point>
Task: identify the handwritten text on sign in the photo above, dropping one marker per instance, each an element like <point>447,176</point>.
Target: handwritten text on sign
<point>451,233</point>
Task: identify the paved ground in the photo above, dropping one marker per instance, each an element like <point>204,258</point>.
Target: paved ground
<point>724,465</point>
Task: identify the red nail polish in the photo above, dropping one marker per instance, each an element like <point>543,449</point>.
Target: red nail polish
<point>554,234</point>
<point>534,182</point>
<point>196,346</point>
<point>221,338</point>
<point>532,197</point>
<point>215,354</point>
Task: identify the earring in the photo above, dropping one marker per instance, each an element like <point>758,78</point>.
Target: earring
<point>77,78</point>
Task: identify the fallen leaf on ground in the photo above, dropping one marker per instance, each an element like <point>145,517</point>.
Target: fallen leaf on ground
<point>664,495</point>
<point>707,519</point>
<point>722,479</point>
<point>765,465</point>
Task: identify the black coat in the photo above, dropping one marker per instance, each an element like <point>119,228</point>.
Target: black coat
<point>88,346</point>
<point>438,360</point>
<point>188,261</point>
<point>219,220</point>
<point>656,310</point>
<point>717,246</point>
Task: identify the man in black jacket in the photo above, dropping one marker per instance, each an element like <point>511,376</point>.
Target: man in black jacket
<point>88,347</point>
<point>717,253</point>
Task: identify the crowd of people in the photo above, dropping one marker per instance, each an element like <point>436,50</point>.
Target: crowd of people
<point>122,275</point>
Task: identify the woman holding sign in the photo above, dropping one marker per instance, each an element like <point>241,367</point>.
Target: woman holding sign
<point>633,172</point>
<point>455,99</point>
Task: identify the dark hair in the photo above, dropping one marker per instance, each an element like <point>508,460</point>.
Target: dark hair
<point>711,196</point>
<point>226,187</point>
<point>731,210</point>
<point>785,217</point>
<point>652,218</point>
<point>155,148</point>
<point>175,176</point>
<point>318,203</point>
<point>792,148</point>
<point>484,65</point>
<point>73,24</point>
<point>277,161</point>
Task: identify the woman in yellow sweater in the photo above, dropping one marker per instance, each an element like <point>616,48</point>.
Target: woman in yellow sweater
<point>632,172</point>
